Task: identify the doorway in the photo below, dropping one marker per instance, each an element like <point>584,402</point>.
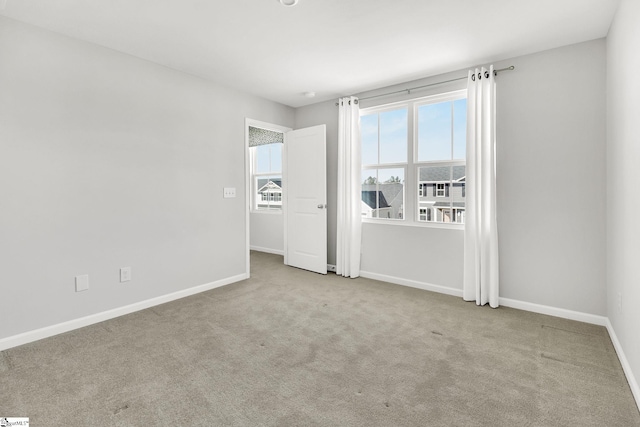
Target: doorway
<point>265,186</point>
<point>285,191</point>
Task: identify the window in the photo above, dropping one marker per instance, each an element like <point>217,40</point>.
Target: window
<point>384,136</point>
<point>422,190</point>
<point>266,169</point>
<point>413,157</point>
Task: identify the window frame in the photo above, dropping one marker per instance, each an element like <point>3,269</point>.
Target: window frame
<point>254,177</point>
<point>395,165</point>
<point>412,187</point>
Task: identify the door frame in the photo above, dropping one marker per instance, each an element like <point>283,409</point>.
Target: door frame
<point>247,178</point>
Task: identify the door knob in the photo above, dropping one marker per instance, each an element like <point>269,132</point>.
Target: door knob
<point>321,206</point>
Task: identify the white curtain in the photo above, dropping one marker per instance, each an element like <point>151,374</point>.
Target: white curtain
<point>349,189</point>
<point>481,233</point>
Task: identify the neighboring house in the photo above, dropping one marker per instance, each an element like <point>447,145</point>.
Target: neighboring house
<point>441,196</point>
<point>390,200</point>
<point>442,193</point>
<point>269,194</point>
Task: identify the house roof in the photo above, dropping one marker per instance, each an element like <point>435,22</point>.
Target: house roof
<point>392,192</point>
<point>265,184</point>
<point>369,197</point>
<point>442,174</point>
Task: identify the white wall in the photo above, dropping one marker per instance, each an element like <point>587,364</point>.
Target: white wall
<point>267,232</point>
<point>109,161</point>
<point>551,184</point>
<point>551,136</point>
<point>623,177</point>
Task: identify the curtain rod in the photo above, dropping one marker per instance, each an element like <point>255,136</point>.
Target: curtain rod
<point>495,72</point>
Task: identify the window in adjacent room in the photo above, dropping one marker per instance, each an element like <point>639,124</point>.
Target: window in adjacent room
<point>266,169</point>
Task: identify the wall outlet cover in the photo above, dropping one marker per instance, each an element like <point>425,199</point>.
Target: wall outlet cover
<point>125,274</point>
<point>82,283</point>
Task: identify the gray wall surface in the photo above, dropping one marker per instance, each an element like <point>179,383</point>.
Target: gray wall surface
<point>551,185</point>
<point>551,136</point>
<point>109,161</point>
<point>623,176</point>
<point>267,231</point>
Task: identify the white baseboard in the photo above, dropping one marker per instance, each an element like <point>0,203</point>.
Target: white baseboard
<point>412,283</point>
<point>331,268</point>
<point>554,311</point>
<point>626,367</point>
<point>267,250</point>
<point>527,306</point>
<point>70,325</point>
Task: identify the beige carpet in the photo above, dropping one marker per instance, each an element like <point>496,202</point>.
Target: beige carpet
<point>293,348</point>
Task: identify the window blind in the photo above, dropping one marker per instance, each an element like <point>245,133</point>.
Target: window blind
<point>258,136</point>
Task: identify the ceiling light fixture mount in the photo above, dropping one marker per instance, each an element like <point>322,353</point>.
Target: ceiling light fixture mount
<point>289,2</point>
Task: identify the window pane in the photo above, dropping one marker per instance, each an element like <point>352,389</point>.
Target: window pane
<point>369,193</point>
<point>434,201</point>
<point>369,139</point>
<point>393,136</point>
<point>276,158</point>
<point>434,132</point>
<point>383,193</point>
<point>391,193</point>
<point>268,158</point>
<point>269,192</point>
<point>460,129</point>
<point>262,153</point>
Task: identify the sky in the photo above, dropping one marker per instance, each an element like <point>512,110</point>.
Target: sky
<point>269,158</point>
<point>435,131</point>
<point>393,137</point>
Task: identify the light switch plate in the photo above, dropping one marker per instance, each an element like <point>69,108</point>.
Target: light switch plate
<point>229,192</point>
<point>82,283</point>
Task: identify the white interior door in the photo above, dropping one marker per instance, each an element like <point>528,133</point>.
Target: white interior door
<point>306,199</point>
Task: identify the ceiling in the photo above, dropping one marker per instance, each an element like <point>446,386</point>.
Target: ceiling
<point>330,47</point>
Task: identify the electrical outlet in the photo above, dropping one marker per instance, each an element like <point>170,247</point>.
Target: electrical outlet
<point>82,283</point>
<point>125,274</point>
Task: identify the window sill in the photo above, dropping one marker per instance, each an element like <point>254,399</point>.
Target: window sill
<point>267,211</point>
<point>404,223</point>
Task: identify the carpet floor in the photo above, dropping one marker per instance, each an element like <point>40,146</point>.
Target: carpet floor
<point>293,348</point>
